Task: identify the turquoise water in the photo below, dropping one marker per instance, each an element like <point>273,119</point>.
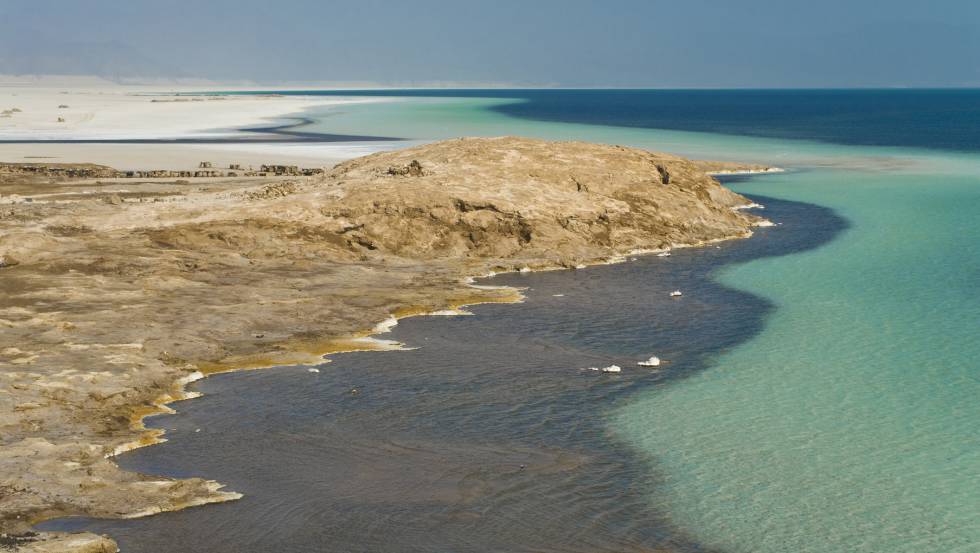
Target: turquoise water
<point>852,421</point>
<point>422,119</point>
<point>844,420</point>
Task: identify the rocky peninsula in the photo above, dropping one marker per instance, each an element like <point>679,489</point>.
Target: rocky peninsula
<point>117,292</point>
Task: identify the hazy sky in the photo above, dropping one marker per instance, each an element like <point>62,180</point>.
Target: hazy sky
<point>698,43</point>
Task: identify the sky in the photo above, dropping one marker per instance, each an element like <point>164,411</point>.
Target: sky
<point>572,43</point>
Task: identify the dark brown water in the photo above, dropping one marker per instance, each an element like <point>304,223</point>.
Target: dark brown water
<point>488,437</point>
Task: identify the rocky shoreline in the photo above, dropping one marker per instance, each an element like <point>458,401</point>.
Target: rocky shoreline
<point>205,170</point>
<point>114,299</point>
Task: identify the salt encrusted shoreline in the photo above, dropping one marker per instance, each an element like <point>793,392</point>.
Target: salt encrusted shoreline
<point>370,343</point>
<point>112,112</point>
<point>763,171</point>
<point>124,113</point>
<point>378,239</point>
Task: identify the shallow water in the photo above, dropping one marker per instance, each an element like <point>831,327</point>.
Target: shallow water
<point>822,400</point>
<point>428,454</point>
<point>851,422</point>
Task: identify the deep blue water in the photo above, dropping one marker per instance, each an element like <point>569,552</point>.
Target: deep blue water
<point>943,119</point>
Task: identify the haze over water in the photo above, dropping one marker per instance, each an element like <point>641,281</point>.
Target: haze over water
<point>844,416</point>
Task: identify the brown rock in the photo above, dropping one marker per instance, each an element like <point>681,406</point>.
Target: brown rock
<point>158,287</point>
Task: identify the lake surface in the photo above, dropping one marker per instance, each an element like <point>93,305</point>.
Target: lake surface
<point>822,394</point>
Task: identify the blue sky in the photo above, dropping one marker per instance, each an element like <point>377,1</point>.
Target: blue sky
<point>681,43</point>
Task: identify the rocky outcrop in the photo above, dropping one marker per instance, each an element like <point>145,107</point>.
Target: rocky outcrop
<point>58,543</point>
<point>58,170</point>
<point>91,171</point>
<point>413,169</point>
<point>502,198</point>
<point>115,305</point>
<point>287,170</point>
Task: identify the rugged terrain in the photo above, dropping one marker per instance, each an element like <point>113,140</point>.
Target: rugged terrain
<point>117,292</point>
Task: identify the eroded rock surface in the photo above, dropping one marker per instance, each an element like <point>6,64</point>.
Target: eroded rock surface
<point>114,304</point>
